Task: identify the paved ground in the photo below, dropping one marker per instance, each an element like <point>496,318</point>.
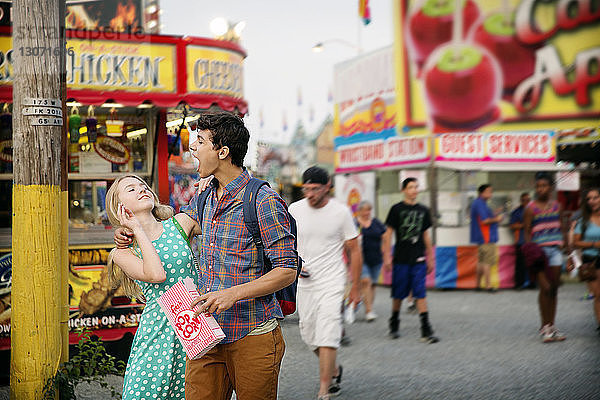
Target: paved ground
<point>489,349</point>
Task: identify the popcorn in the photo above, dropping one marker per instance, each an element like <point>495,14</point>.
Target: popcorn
<point>197,335</point>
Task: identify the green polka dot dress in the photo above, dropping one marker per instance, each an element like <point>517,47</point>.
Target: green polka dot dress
<point>156,366</point>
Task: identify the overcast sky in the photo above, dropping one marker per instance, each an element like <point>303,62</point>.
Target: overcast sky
<point>278,38</point>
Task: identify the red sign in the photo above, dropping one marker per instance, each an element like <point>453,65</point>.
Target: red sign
<point>112,150</point>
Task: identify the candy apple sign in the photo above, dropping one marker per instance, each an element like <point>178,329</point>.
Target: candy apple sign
<point>540,56</point>
<point>496,33</point>
<point>430,26</point>
<point>462,87</point>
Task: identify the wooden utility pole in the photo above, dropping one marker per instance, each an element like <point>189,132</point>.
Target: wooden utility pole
<point>38,46</point>
<point>64,196</point>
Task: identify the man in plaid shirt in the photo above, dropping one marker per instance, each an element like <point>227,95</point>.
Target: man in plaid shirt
<point>233,287</point>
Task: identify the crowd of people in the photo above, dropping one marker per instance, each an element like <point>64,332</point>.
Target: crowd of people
<point>154,252</point>
<point>542,237</point>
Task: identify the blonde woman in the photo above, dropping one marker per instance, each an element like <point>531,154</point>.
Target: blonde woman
<point>159,257</point>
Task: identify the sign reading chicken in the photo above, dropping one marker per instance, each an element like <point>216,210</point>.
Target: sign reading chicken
<point>469,65</point>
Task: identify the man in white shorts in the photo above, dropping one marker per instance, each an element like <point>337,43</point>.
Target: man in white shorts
<point>325,231</point>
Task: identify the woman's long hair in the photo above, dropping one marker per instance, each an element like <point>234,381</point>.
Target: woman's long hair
<point>586,211</point>
<point>161,212</point>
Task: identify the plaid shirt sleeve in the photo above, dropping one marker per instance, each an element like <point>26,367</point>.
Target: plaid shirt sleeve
<point>275,230</point>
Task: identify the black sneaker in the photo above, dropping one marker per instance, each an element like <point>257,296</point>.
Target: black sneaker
<point>427,334</point>
<point>430,339</point>
<point>394,328</point>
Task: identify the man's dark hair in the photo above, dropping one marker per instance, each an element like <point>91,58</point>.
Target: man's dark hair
<point>544,176</point>
<point>407,181</point>
<point>227,129</point>
<point>523,195</point>
<point>483,187</point>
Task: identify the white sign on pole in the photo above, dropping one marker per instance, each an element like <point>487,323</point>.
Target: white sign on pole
<point>29,101</point>
<point>45,121</point>
<point>50,111</point>
<point>567,181</point>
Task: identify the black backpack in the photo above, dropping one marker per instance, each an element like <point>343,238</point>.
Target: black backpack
<point>286,296</point>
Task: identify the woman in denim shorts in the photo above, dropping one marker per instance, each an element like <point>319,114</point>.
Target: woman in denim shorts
<point>371,230</point>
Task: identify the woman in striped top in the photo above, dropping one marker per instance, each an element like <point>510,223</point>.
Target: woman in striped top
<point>543,224</point>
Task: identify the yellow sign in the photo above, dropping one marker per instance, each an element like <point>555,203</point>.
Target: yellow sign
<point>214,71</point>
<point>106,65</point>
<point>533,65</point>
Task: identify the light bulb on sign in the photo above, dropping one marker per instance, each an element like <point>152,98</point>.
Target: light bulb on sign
<point>219,26</point>
<point>238,28</point>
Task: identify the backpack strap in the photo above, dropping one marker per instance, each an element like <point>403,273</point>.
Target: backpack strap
<point>250,214</point>
<point>202,196</point>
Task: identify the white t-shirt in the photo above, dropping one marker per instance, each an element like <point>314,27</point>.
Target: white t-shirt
<point>321,236</point>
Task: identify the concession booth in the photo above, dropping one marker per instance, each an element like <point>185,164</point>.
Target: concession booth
<point>128,96</point>
<point>492,103</point>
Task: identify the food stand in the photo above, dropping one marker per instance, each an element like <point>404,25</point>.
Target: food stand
<point>126,93</point>
<point>484,107</point>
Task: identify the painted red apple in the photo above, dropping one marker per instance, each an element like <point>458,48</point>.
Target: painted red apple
<point>517,60</point>
<point>430,25</point>
<point>462,87</point>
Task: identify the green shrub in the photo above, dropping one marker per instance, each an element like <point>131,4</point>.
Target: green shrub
<point>91,363</point>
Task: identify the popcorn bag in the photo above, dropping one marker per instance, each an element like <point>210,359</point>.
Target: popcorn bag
<point>197,335</point>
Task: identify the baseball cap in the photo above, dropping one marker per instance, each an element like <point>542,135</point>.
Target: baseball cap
<point>315,175</point>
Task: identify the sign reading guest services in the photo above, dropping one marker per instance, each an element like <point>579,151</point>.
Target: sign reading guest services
<point>497,146</point>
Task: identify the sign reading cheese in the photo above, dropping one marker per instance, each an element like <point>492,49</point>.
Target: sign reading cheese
<point>214,71</point>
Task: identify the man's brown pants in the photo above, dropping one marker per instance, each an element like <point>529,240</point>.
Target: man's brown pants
<point>249,365</point>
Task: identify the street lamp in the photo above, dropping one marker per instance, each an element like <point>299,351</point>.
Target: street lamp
<point>319,47</point>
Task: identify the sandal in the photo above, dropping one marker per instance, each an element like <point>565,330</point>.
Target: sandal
<point>334,387</point>
<point>338,377</point>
